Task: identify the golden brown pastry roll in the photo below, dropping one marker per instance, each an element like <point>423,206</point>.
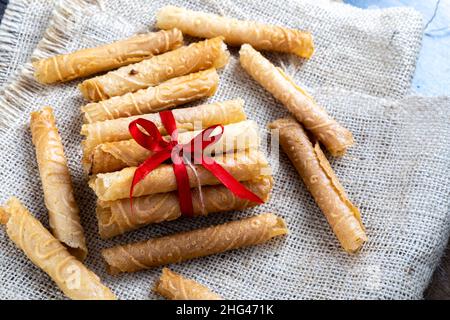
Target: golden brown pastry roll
<point>315,170</point>
<point>46,252</point>
<point>187,119</point>
<point>315,119</point>
<point>236,32</point>
<point>86,62</point>
<point>167,95</point>
<point>114,156</point>
<point>193,244</point>
<point>56,183</point>
<point>174,286</point>
<point>115,217</point>
<point>198,56</point>
<point>111,186</point>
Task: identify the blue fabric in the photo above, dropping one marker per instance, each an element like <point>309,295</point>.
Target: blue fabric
<point>432,75</point>
<point>2,8</point>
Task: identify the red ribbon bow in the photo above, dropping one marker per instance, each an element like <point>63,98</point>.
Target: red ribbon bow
<point>164,150</point>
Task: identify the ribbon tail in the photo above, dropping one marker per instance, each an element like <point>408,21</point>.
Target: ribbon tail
<point>184,188</point>
<point>229,181</point>
<point>145,168</point>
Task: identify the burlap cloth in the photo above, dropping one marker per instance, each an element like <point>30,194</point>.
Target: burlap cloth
<point>397,173</point>
<point>22,27</point>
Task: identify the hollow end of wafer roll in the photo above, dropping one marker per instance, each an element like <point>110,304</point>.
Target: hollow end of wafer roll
<point>163,17</point>
<point>78,253</point>
<point>12,206</point>
<point>354,245</point>
<point>102,161</point>
<point>109,268</point>
<point>37,73</point>
<point>92,91</point>
<point>104,217</point>
<point>4,216</point>
<point>224,55</point>
<point>174,286</point>
<point>340,151</point>
<point>279,226</point>
<point>306,49</point>
<point>281,123</point>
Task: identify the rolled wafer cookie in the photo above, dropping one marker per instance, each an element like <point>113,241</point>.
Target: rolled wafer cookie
<point>46,252</point>
<point>56,183</point>
<point>193,244</point>
<point>187,119</point>
<point>211,53</point>
<point>114,156</point>
<point>115,217</point>
<point>236,32</point>
<point>111,186</point>
<point>86,62</point>
<point>335,137</point>
<point>318,176</point>
<point>169,94</point>
<point>174,286</point>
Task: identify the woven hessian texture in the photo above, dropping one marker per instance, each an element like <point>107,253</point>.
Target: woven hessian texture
<point>22,27</point>
<point>397,173</point>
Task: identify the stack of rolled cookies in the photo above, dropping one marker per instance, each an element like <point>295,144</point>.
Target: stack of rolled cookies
<point>112,157</point>
<point>155,72</point>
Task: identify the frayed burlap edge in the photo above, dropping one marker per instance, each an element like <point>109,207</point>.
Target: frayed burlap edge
<point>23,86</point>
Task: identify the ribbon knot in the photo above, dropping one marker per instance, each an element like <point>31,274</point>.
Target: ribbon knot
<point>163,150</point>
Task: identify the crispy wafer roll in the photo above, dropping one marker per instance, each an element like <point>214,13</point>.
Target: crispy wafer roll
<point>115,217</point>
<point>315,119</point>
<point>56,183</point>
<point>46,252</point>
<point>174,286</point>
<point>164,96</point>
<point>111,186</point>
<point>113,156</point>
<point>87,62</point>
<point>193,244</point>
<point>187,120</point>
<point>316,172</point>
<point>236,32</point>
<point>195,57</point>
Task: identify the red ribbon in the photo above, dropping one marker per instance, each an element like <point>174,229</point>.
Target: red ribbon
<point>163,150</point>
